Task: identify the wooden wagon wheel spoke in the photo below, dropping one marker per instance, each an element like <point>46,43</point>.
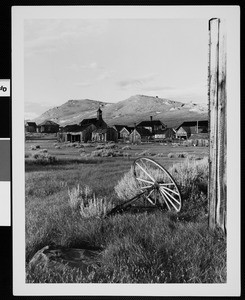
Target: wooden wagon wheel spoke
<point>145,172</point>
<point>143,180</point>
<point>173,191</point>
<point>166,196</point>
<point>172,197</point>
<point>146,187</point>
<point>148,197</point>
<point>165,200</point>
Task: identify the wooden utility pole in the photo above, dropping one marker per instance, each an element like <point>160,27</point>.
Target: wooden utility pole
<point>217,124</point>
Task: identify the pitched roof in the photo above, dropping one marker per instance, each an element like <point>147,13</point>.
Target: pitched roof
<point>129,129</point>
<point>162,131</point>
<point>143,131</point>
<point>72,128</point>
<point>48,122</point>
<point>193,123</point>
<point>119,127</point>
<point>88,121</point>
<point>31,123</point>
<point>150,123</point>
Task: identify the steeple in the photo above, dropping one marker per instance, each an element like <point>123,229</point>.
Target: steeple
<point>99,114</point>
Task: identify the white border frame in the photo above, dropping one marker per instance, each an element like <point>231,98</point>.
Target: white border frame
<point>232,16</point>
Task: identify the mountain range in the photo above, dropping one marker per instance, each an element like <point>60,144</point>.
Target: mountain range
<point>127,112</point>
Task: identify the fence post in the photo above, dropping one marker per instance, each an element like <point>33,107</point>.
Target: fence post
<point>217,124</point>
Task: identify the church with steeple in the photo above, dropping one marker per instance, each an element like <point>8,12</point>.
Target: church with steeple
<point>94,129</point>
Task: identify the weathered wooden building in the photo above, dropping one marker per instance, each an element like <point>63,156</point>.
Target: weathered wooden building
<point>118,129</point>
<point>76,133</point>
<point>186,129</point>
<point>125,133</point>
<point>94,129</point>
<point>152,125</point>
<point>140,134</point>
<point>104,135</point>
<point>168,133</point>
<point>48,127</point>
<point>30,126</point>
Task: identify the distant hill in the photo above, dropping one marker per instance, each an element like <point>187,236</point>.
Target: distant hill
<point>127,112</point>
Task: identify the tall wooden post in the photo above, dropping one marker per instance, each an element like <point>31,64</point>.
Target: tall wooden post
<point>217,124</point>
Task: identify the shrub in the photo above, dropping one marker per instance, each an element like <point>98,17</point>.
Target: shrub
<point>96,153</point>
<point>57,147</point>
<point>43,151</point>
<point>79,146</point>
<point>146,153</point>
<point>74,197</point>
<point>87,145</point>
<point>84,200</point>
<point>95,207</point>
<point>191,173</point>
<point>106,152</point>
<point>126,148</point>
<point>178,155</point>
<point>110,146</point>
<point>100,146</point>
<point>43,158</point>
<point>160,155</point>
<point>127,187</point>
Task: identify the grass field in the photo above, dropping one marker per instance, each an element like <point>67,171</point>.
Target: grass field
<point>134,248</point>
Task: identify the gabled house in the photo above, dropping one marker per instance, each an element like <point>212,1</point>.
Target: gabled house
<point>118,128</point>
<point>186,129</point>
<point>140,134</point>
<point>30,126</point>
<point>168,133</point>
<point>152,125</point>
<point>125,133</point>
<point>48,127</point>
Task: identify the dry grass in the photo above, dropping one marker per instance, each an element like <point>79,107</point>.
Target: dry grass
<point>84,200</point>
<point>42,158</point>
<point>159,247</point>
<point>178,155</point>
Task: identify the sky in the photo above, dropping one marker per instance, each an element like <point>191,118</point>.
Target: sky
<point>112,59</point>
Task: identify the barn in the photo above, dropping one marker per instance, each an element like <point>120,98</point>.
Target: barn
<point>48,127</point>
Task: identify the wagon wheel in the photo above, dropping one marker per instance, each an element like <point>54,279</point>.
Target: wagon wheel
<point>161,188</point>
